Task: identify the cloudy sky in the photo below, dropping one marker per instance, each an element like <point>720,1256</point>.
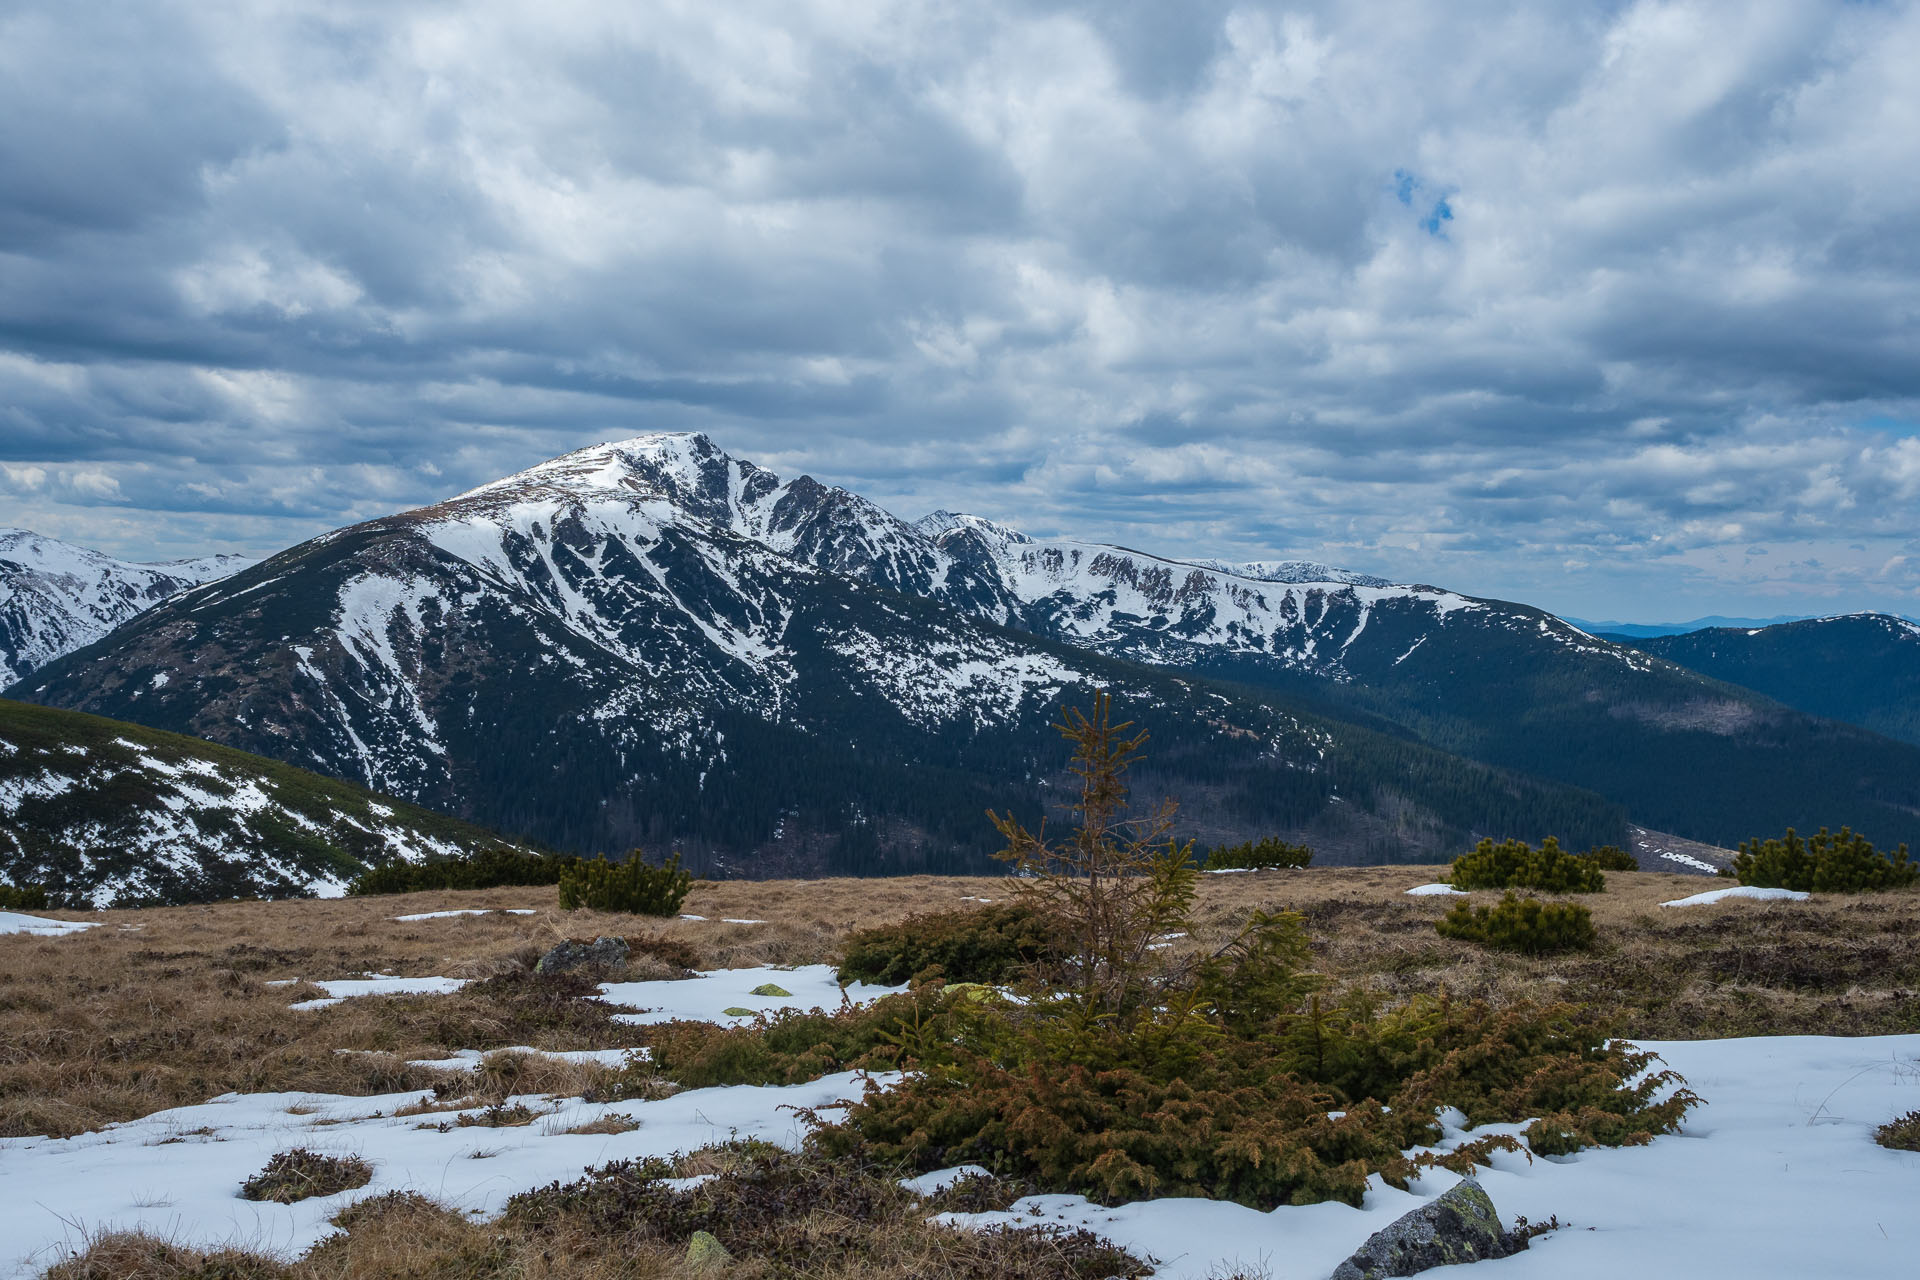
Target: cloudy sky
<point>1613,308</point>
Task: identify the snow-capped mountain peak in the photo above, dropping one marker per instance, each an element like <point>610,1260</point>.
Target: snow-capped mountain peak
<point>56,597</point>
<point>942,522</point>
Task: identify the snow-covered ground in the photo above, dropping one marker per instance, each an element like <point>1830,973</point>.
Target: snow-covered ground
<point>1435,891</point>
<point>1776,1178</point>
<point>14,922</point>
<point>1739,891</point>
<point>378,984</point>
<point>469,911</point>
<point>707,997</point>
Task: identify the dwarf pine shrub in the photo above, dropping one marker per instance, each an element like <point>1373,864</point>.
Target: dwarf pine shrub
<point>1307,1110</point>
<point>1901,1134</point>
<point>23,897</point>
<point>631,886</point>
<point>789,1046</point>
<point>1527,925</point>
<point>487,869</point>
<point>1270,851</point>
<point>1513,864</point>
<point>1610,857</point>
<point>1822,863</point>
<point>300,1174</point>
<point>992,944</point>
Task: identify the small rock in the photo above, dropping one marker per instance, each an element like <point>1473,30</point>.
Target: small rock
<point>608,954</point>
<point>1460,1226</point>
<point>705,1253</point>
<point>769,989</point>
<point>737,1012</point>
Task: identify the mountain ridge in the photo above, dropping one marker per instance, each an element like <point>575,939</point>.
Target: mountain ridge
<point>1862,668</point>
<point>56,597</point>
<point>601,649</point>
<point>650,619</point>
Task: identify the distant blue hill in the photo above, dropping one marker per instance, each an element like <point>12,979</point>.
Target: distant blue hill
<point>1641,629</point>
<point>1863,668</point>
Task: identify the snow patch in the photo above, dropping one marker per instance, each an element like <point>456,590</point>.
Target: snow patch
<point>1740,891</point>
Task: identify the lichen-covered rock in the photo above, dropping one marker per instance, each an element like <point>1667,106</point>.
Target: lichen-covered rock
<point>609,954</point>
<point>1459,1226</point>
<point>705,1254</point>
<point>771,989</point>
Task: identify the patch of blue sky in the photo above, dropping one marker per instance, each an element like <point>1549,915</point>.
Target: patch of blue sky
<point>1407,185</point>
<point>1890,425</point>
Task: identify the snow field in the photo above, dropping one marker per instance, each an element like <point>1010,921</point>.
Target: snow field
<point>1435,891</point>
<point>178,1173</point>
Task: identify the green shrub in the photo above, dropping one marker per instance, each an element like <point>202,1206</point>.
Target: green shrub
<point>631,886</point>
<point>1254,855</point>
<point>1307,1111</point>
<point>487,869</point>
<point>24,897</point>
<point>1902,1134</point>
<point>300,1174</point>
<point>789,1046</point>
<point>1526,925</point>
<point>1513,864</point>
<point>990,944</point>
<point>1825,863</point>
<point>1610,857</point>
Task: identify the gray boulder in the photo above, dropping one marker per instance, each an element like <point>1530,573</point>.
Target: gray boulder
<point>1459,1226</point>
<point>606,954</point>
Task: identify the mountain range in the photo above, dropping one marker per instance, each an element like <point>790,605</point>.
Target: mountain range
<point>652,643</point>
<point>56,597</point>
<point>1636,630</point>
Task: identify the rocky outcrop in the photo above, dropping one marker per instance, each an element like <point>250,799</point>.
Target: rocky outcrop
<point>1459,1226</point>
<point>606,955</point>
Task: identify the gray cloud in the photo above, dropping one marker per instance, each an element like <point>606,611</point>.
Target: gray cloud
<point>1176,276</point>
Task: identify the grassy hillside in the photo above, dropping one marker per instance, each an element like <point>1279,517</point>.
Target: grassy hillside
<point>114,813</point>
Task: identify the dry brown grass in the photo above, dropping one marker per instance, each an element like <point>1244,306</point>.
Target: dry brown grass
<point>1837,965</point>
<point>169,1006</point>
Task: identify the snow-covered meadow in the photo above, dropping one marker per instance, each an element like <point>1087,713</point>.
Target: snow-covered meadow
<point>1776,1176</point>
